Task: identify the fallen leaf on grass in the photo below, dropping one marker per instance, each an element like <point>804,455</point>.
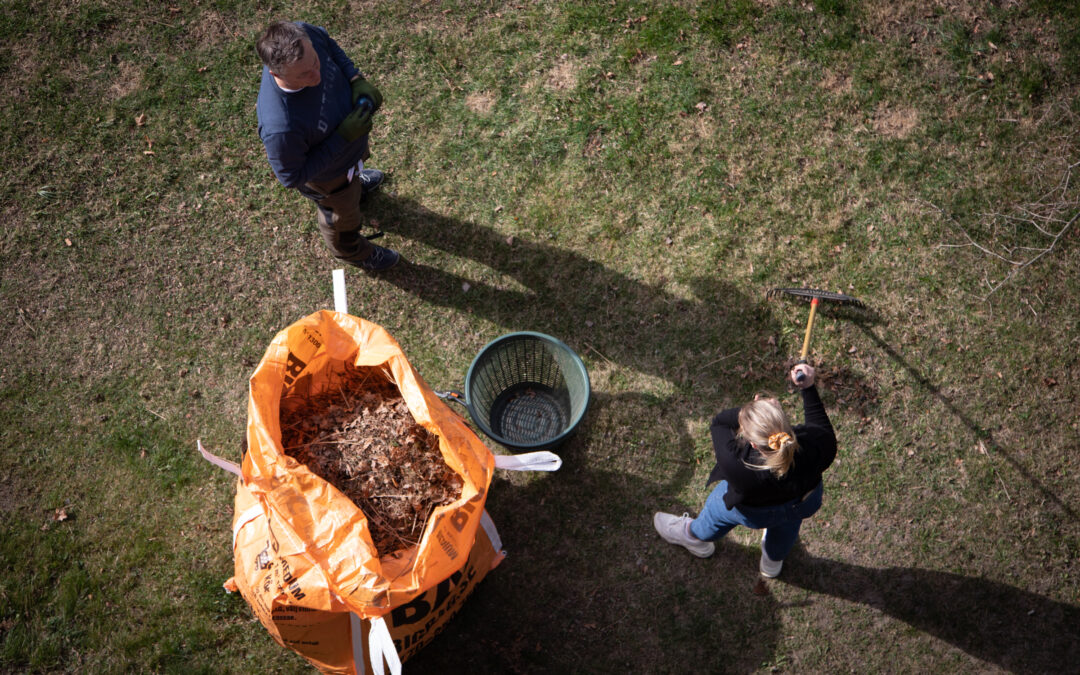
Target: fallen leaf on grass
<point>140,119</point>
<point>60,514</point>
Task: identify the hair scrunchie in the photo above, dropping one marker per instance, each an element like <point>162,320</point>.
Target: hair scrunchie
<point>778,440</point>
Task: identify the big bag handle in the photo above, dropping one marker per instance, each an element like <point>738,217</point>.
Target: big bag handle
<point>541,460</point>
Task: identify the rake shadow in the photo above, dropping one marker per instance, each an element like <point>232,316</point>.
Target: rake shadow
<point>976,429</point>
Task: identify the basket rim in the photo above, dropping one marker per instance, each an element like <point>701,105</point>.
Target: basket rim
<point>558,344</point>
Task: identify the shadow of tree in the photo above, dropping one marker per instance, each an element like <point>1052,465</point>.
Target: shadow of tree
<point>1017,630</point>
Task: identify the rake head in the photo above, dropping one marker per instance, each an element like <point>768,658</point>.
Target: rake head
<point>810,294</point>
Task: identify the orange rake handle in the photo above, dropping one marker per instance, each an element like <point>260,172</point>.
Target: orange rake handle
<point>809,327</point>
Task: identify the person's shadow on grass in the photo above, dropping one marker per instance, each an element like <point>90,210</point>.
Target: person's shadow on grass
<point>558,291</point>
<point>1012,628</point>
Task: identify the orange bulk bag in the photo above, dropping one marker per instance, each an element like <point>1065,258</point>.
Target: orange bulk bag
<point>288,594</point>
<point>304,557</point>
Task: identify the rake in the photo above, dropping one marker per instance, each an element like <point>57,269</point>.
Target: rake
<point>815,296</point>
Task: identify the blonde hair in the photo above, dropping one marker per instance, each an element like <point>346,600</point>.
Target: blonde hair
<point>764,423</point>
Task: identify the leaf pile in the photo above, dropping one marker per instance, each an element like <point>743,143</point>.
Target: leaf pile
<point>359,436</point>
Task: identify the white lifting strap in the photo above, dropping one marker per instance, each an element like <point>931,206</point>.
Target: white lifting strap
<point>529,461</point>
<point>231,467</point>
<point>380,647</point>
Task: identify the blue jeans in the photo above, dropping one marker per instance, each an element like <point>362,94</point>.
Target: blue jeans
<point>781,522</point>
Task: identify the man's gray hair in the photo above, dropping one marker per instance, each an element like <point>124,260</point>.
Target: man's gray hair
<point>281,45</point>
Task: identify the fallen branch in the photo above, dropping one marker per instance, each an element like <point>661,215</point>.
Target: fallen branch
<point>1049,217</point>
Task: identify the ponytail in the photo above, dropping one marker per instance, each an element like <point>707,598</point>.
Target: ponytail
<point>764,424</point>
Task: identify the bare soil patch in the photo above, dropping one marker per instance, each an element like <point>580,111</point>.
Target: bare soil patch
<point>361,438</point>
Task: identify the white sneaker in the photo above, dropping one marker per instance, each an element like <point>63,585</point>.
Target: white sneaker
<point>768,567</point>
<point>676,530</point>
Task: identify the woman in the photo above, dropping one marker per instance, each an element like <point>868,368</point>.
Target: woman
<point>769,473</point>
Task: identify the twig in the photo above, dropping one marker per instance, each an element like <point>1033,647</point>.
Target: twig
<point>1029,306</point>
<point>598,353</point>
<point>1032,261</point>
<point>22,315</point>
<point>1038,215</point>
<point>1007,495</point>
<point>722,358</point>
<point>446,74</point>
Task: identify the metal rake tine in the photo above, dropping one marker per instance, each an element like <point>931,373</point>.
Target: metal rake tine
<point>814,293</point>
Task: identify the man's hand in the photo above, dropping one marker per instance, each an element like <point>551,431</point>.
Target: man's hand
<point>357,124</point>
<point>361,87</point>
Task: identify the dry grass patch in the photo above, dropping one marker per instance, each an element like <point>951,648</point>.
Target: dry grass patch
<point>212,30</point>
<point>127,81</point>
<point>911,18</point>
<point>690,132</point>
<point>837,83</point>
<point>895,122</point>
<point>23,75</point>
<point>480,103</point>
<point>563,76</point>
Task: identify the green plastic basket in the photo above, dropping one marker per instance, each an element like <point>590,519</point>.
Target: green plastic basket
<point>527,391</point>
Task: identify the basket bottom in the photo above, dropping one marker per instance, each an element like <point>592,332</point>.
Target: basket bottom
<point>528,413</point>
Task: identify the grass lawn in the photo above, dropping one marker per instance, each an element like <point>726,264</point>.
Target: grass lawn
<point>631,178</point>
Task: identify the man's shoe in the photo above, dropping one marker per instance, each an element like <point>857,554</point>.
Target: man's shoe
<point>768,567</point>
<point>370,180</point>
<point>676,530</point>
<point>381,259</point>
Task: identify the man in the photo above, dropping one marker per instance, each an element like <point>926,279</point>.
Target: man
<point>314,112</point>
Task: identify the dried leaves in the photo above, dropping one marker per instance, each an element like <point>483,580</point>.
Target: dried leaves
<point>359,436</point>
